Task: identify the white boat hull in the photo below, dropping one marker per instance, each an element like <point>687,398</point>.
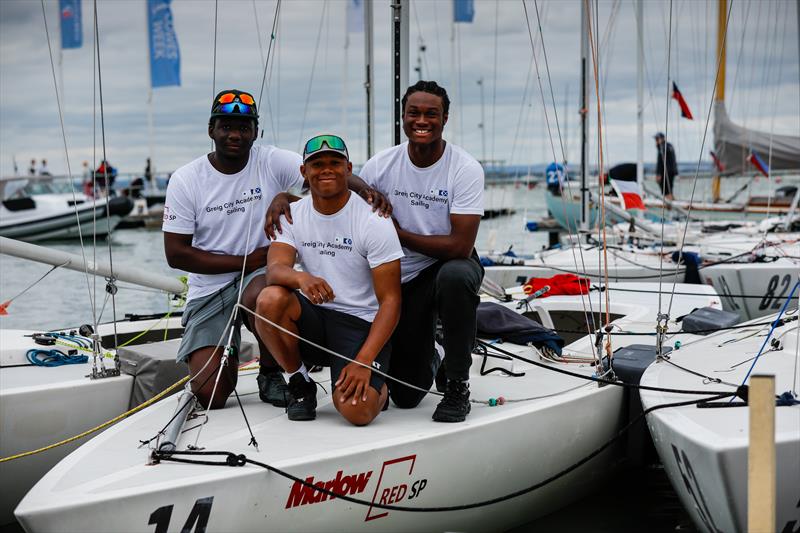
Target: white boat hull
<point>402,458</point>
<point>704,451</point>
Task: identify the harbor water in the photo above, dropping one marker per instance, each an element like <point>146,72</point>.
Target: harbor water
<point>632,500</point>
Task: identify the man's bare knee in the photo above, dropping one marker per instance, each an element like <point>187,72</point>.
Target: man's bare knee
<point>273,301</point>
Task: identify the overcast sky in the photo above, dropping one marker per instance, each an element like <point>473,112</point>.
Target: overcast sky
<point>304,96</point>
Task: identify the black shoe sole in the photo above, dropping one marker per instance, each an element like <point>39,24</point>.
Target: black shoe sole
<point>449,418</point>
<point>276,403</point>
<point>302,418</point>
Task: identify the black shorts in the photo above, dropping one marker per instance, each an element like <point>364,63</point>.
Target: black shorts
<point>340,332</point>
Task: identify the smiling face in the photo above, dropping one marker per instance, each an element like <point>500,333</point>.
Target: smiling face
<point>233,136</point>
<point>424,118</point>
<point>327,174</point>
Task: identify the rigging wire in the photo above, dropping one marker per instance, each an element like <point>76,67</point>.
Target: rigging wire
<point>268,63</point>
<point>588,315</point>
<point>66,155</point>
<point>699,161</point>
<point>313,69</point>
<point>214,55</point>
<point>112,278</point>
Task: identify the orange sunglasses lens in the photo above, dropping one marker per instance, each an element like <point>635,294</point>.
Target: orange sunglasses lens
<point>246,99</point>
<point>226,98</point>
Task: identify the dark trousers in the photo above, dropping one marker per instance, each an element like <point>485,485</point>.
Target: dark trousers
<point>447,290</point>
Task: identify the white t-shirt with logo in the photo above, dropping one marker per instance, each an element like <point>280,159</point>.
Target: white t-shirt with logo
<point>424,198</point>
<point>217,209</point>
<point>342,248</point>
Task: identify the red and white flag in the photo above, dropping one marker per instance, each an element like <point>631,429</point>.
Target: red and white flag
<point>676,95</point>
<point>629,192</point>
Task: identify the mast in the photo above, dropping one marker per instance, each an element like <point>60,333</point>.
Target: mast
<point>719,95</point>
<point>368,60</point>
<point>399,62</point>
<point>639,94</point>
<point>584,118</point>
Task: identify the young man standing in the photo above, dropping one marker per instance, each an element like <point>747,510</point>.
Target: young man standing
<point>347,296</point>
<point>214,219</point>
<point>666,166</point>
<point>436,190</point>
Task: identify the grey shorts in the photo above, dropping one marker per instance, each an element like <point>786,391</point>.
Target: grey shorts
<point>205,318</point>
<point>341,333</point>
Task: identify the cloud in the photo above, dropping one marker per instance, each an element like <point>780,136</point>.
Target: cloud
<point>762,79</point>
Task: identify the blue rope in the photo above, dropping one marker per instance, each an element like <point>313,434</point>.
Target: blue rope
<point>50,358</point>
<point>769,335</point>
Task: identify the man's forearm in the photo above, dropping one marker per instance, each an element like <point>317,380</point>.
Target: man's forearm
<point>437,246</point>
<point>200,261</point>
<point>283,275</point>
<point>380,332</point>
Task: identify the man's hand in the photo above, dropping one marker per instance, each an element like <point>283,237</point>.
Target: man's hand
<point>353,381</point>
<point>279,206</point>
<point>316,289</point>
<point>256,259</point>
<point>377,200</point>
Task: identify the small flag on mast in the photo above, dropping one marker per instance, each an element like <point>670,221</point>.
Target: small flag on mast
<point>463,10</point>
<point>71,26</point>
<point>685,111</point>
<point>759,163</point>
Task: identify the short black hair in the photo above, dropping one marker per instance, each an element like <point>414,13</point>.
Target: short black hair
<point>428,87</point>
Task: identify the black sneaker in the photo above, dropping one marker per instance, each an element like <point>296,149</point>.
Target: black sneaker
<point>302,398</point>
<point>455,405</point>
<point>272,388</point>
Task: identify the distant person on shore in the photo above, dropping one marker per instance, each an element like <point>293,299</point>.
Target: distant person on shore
<point>43,170</point>
<point>32,168</point>
<point>104,178</point>
<point>554,178</point>
<point>346,297</point>
<point>666,166</point>
<point>437,194</point>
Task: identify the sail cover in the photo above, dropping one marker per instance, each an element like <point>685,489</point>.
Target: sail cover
<point>734,144</point>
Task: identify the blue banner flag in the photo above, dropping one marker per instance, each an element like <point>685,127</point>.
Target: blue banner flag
<point>463,10</point>
<point>71,27</point>
<point>355,16</point>
<point>165,57</point>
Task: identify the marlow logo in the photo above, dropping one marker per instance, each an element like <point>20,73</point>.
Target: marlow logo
<point>343,240</point>
<point>303,495</point>
<point>439,192</point>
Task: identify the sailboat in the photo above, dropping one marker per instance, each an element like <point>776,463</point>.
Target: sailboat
<point>705,451</point>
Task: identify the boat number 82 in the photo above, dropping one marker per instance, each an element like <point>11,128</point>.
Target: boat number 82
<point>196,522</point>
<point>770,298</point>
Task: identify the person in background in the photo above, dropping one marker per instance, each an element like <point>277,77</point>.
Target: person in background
<point>437,194</point>
<point>43,170</point>
<point>666,166</point>
<point>346,297</point>
<point>554,177</point>
<point>32,168</point>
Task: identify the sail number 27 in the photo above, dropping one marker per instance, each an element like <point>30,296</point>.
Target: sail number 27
<point>196,522</point>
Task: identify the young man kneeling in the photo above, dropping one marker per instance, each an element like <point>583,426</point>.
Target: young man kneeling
<point>346,298</point>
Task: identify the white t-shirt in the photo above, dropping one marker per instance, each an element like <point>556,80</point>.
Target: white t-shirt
<point>424,198</point>
<point>342,248</point>
<point>217,209</point>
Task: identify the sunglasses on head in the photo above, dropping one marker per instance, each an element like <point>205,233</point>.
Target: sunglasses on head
<point>317,143</point>
<point>227,98</point>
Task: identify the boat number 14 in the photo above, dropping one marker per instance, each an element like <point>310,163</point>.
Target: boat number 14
<point>196,522</point>
<point>772,286</point>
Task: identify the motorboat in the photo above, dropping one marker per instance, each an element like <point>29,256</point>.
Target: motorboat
<point>38,208</point>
